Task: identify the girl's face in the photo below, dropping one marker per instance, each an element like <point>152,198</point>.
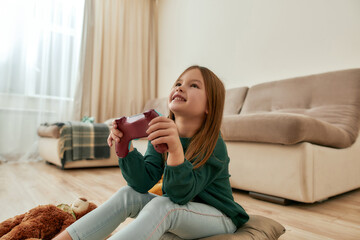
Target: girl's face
<point>188,96</point>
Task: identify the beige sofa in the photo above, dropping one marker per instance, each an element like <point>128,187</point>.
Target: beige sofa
<point>294,139</point>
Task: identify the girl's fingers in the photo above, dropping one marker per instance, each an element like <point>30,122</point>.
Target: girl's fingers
<point>114,124</point>
<point>109,140</point>
<point>117,133</point>
<point>116,138</point>
<point>159,133</point>
<point>158,126</point>
<point>160,140</point>
<point>159,119</point>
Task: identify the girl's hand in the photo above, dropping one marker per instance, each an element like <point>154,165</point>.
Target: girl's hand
<point>164,130</point>
<point>115,134</point>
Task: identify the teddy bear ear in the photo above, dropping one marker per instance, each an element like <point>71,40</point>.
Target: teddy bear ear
<point>91,207</point>
<point>66,208</point>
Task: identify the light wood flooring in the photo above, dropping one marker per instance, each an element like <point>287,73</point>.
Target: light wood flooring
<point>26,185</point>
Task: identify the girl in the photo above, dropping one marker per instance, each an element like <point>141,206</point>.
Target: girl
<point>197,200</point>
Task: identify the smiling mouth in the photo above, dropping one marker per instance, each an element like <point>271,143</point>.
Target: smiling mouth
<point>178,98</point>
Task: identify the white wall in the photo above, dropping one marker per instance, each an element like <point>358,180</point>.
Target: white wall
<point>246,42</point>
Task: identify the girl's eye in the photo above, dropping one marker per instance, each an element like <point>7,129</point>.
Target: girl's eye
<point>177,84</point>
<point>194,85</point>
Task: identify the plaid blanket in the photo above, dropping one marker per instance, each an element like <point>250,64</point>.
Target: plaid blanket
<point>80,140</point>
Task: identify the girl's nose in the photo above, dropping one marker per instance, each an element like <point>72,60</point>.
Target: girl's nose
<point>179,89</point>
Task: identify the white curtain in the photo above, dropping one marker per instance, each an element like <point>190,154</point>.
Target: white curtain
<point>118,60</point>
<point>39,53</point>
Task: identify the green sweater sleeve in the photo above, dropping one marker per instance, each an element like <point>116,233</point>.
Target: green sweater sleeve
<point>182,183</point>
<point>142,172</point>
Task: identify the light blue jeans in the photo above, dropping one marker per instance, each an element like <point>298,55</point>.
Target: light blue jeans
<point>154,215</point>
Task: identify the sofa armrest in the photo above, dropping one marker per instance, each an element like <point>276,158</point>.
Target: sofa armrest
<point>50,131</point>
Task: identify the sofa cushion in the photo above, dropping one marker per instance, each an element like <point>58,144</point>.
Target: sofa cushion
<point>234,99</point>
<point>283,128</point>
<point>322,109</point>
<point>257,228</point>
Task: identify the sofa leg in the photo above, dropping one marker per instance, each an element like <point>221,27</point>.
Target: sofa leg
<point>269,198</point>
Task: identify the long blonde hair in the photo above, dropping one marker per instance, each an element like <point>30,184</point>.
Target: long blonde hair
<point>203,143</point>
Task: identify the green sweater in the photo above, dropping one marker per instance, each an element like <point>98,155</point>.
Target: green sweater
<point>208,184</point>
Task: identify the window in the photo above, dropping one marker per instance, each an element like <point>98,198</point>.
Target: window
<point>40,49</point>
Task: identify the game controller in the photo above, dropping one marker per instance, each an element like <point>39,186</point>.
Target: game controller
<point>135,127</point>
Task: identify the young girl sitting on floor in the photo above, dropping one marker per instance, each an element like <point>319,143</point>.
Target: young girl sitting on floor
<point>197,200</point>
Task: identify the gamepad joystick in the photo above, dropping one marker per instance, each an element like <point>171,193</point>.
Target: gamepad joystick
<point>135,127</point>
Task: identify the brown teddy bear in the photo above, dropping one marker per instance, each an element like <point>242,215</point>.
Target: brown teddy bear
<point>45,221</point>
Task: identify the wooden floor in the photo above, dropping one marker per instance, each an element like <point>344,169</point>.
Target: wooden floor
<point>26,185</point>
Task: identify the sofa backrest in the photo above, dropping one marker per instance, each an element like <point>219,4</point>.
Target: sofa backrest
<point>332,97</point>
<point>234,100</point>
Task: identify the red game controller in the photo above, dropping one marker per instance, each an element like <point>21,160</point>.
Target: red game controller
<point>135,127</point>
